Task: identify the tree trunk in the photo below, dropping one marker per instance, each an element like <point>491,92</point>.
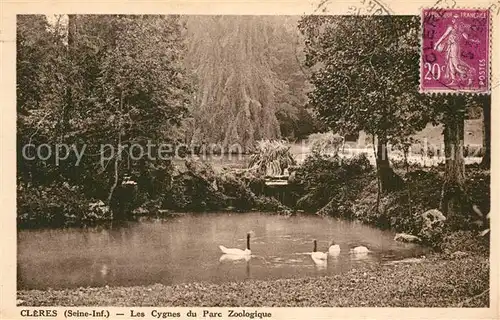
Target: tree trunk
<point>486,162</point>
<point>68,104</point>
<point>453,149</point>
<point>453,193</point>
<point>388,179</point>
<point>406,152</point>
<point>379,188</point>
<point>117,161</point>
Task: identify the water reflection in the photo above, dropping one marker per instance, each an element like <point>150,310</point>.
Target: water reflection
<point>233,261</point>
<point>320,264</point>
<point>359,256</point>
<point>232,257</point>
<point>114,236</point>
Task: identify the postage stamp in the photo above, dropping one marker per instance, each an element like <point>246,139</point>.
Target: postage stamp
<point>455,51</point>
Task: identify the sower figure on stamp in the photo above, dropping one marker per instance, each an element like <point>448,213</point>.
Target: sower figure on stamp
<point>450,43</point>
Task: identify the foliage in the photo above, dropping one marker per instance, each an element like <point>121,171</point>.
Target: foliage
<point>323,178</point>
<point>474,112</point>
<point>140,92</point>
<point>465,241</point>
<point>191,193</point>
<point>365,73</point>
<point>270,204</point>
<point>271,157</point>
<point>297,122</point>
<point>394,211</point>
<point>55,205</point>
<point>238,190</point>
<point>249,84</point>
<point>236,89</point>
<point>327,142</point>
<point>39,71</point>
<point>99,80</point>
<point>402,210</point>
<point>200,188</point>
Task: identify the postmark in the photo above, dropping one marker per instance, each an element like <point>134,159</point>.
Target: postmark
<point>358,8</point>
<point>455,51</point>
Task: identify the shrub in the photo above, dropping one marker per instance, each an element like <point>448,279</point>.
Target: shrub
<point>328,142</point>
<point>190,192</point>
<point>324,179</point>
<point>55,205</point>
<point>270,204</point>
<point>465,241</point>
<point>241,196</point>
<point>478,184</point>
<point>364,207</point>
<point>400,210</point>
<point>271,157</point>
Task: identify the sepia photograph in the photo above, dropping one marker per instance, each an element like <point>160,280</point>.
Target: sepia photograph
<point>253,160</point>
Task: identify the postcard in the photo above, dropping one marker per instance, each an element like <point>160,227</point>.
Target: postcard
<point>250,160</point>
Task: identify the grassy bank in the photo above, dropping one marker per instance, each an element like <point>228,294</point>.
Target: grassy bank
<point>436,281</point>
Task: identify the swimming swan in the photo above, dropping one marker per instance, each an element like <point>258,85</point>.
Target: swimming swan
<point>360,249</point>
<point>334,249</point>
<point>315,255</point>
<point>237,252</point>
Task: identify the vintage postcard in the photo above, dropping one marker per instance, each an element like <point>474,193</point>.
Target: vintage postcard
<point>250,160</point>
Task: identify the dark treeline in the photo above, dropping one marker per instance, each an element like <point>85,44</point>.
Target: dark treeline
<point>93,80</point>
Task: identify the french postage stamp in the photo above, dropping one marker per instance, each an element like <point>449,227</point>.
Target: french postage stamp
<point>455,51</point>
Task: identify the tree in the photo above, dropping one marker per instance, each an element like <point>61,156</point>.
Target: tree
<point>39,73</point>
<point>454,177</point>
<point>135,86</point>
<point>248,83</point>
<point>127,87</point>
<point>365,77</point>
<point>67,106</point>
<point>485,101</point>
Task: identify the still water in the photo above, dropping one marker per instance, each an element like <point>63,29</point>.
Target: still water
<point>185,249</point>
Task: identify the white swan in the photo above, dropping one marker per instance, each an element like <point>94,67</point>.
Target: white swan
<point>315,255</point>
<point>334,249</point>
<point>360,249</point>
<point>237,252</point>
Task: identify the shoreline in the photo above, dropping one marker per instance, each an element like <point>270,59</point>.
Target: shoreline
<point>436,281</point>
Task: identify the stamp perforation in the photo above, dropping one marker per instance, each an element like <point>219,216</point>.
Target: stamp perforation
<point>461,91</point>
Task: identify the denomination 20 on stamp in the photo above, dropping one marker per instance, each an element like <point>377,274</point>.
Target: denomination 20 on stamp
<point>455,51</point>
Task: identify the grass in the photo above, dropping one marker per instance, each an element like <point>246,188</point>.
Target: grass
<point>432,282</point>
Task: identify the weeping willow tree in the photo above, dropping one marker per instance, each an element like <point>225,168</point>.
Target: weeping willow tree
<point>233,59</point>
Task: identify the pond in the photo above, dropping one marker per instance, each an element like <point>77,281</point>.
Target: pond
<point>186,249</point>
